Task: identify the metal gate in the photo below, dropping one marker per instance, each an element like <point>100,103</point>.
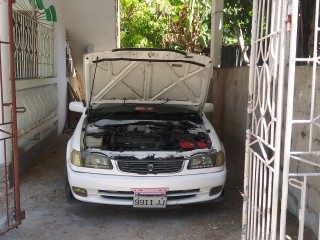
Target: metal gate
<point>301,166</point>
<point>263,140</point>
<point>10,212</point>
<point>300,152</point>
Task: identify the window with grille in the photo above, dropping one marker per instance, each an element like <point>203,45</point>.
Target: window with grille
<point>33,27</point>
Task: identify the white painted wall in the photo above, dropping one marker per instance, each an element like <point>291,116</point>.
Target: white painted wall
<point>60,67</point>
<point>88,23</point>
<point>91,26</point>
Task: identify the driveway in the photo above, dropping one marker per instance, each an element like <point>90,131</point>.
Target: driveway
<point>49,217</point>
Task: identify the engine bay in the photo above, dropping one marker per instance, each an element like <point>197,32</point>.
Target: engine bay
<point>147,136</point>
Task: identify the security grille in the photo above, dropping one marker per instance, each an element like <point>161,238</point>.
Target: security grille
<point>272,21</point>
<point>262,158</point>
<point>301,167</point>
<point>34,41</point>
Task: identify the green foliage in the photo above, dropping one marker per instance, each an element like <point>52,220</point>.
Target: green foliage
<point>190,20</point>
<point>141,25</point>
<point>180,24</point>
<point>237,13</point>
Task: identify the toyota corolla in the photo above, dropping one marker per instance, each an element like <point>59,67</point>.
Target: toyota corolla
<point>143,139</point>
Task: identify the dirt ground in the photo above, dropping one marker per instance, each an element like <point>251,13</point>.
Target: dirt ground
<point>49,217</point>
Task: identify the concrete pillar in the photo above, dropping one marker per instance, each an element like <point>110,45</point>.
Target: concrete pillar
<point>5,92</point>
<point>118,29</point>
<point>216,31</point>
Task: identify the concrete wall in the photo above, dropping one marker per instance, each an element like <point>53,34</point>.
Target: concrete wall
<point>300,142</point>
<point>229,93</point>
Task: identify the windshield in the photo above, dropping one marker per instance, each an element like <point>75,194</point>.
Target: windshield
<point>142,112</point>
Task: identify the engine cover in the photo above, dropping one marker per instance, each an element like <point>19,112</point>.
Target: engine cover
<point>130,142</point>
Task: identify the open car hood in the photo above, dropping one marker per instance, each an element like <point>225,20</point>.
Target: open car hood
<point>147,76</point>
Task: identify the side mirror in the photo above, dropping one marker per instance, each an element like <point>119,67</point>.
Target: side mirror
<point>76,107</point>
<point>208,108</point>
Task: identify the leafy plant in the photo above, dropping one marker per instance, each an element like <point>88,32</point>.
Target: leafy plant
<point>180,24</point>
<point>141,25</point>
<point>237,16</point>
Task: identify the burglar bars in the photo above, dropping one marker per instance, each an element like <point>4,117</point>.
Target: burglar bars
<point>262,158</point>
<point>34,42</point>
<point>302,144</point>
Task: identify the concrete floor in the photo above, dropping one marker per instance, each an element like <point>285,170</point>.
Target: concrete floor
<point>49,217</point>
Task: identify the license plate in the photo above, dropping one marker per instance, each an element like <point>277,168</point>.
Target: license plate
<point>149,201</point>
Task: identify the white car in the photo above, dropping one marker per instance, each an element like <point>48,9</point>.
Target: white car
<point>143,139</point>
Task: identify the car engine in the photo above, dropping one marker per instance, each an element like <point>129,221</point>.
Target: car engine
<point>148,137</point>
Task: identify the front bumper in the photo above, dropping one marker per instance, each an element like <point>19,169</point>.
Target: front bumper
<point>116,190</point>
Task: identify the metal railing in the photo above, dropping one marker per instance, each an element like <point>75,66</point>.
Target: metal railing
<point>34,46</point>
<point>301,167</point>
<point>262,158</point>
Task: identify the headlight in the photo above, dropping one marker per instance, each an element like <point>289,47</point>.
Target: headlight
<point>90,160</point>
<point>96,160</point>
<point>207,160</point>
<point>219,159</point>
<point>76,158</point>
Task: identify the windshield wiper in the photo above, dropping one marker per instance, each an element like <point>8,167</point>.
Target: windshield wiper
<point>120,115</point>
<point>142,115</point>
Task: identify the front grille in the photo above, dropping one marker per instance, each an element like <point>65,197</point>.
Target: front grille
<point>150,166</point>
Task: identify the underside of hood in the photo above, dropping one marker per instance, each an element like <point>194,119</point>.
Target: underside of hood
<point>147,76</point>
